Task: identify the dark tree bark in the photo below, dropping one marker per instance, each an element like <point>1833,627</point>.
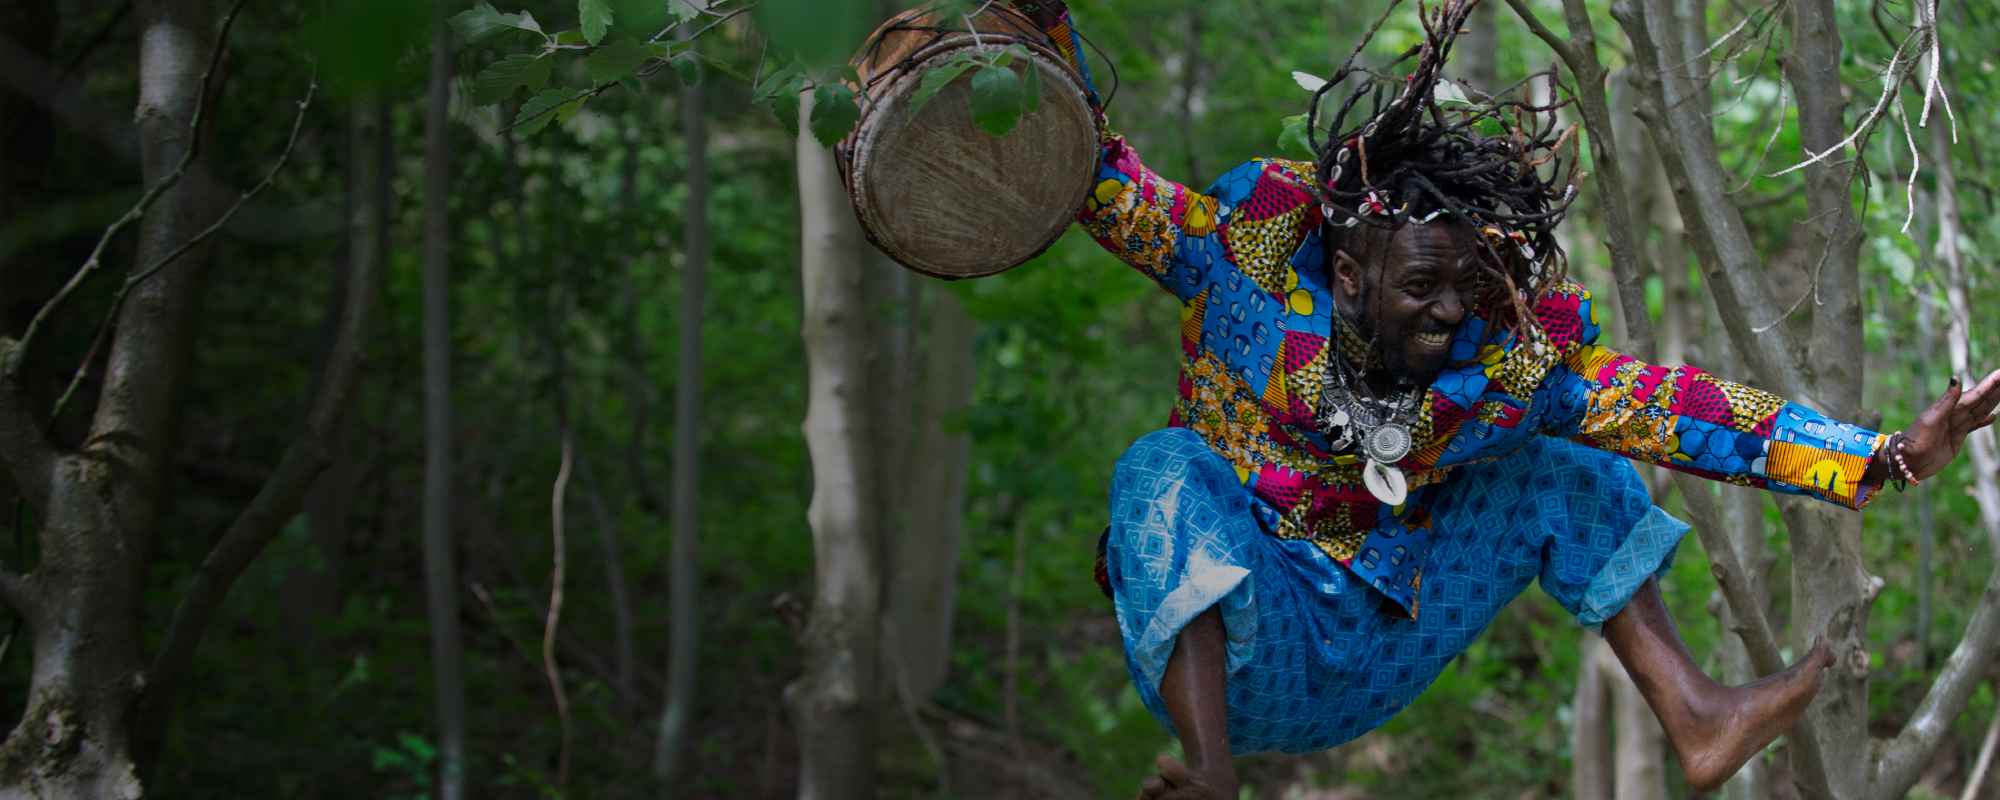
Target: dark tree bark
<point>440,573</point>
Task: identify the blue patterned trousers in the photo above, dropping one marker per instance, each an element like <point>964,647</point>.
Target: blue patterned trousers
<point>1316,657</point>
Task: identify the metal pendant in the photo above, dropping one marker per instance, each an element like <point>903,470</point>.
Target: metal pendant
<point>1386,483</point>
<point>1388,443</point>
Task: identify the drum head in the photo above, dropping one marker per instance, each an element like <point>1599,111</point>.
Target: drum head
<point>942,197</point>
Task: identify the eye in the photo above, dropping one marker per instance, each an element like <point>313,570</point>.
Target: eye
<point>1419,286</point>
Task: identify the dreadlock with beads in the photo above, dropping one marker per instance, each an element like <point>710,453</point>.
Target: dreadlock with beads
<point>1400,156</point>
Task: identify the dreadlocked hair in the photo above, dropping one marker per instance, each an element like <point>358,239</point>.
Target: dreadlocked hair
<point>1397,155</point>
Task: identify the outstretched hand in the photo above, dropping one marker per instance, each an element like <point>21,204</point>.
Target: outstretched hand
<point>1940,431</point>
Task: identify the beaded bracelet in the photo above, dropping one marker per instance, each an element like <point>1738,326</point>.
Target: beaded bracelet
<point>1899,469</point>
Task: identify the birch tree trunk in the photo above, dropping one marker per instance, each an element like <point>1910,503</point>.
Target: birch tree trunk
<point>440,573</point>
<point>832,701</point>
<point>684,652</point>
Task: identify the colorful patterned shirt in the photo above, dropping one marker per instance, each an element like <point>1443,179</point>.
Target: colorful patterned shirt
<point>1244,258</point>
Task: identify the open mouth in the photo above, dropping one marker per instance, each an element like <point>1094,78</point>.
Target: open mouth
<point>1434,341</point>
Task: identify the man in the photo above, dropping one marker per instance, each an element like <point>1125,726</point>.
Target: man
<point>1394,415</point>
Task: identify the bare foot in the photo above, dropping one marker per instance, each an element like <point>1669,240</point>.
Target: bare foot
<point>1720,730</point>
<point>1177,781</point>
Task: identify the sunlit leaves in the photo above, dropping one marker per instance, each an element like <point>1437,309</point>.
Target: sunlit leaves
<point>524,70</point>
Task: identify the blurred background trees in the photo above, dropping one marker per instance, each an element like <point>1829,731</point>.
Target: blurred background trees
<point>637,245</point>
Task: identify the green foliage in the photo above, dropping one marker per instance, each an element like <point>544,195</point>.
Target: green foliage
<point>528,71</point>
<point>997,99</point>
<point>548,105</point>
<point>616,60</point>
<point>473,25</point>
<point>834,112</point>
<point>595,17</point>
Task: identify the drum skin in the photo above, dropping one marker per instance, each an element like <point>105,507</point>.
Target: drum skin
<point>941,196</point>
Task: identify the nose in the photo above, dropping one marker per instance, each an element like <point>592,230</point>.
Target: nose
<point>1449,309</point>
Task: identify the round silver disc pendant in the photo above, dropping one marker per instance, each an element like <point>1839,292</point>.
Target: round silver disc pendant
<point>1387,444</point>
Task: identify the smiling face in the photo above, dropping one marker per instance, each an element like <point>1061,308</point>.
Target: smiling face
<point>1413,290</point>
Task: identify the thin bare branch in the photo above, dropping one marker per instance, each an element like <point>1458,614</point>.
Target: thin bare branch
<point>1903,758</point>
<point>1555,41</point>
<point>12,365</point>
<point>1892,78</point>
<point>549,666</point>
<point>118,300</point>
<point>1687,148</point>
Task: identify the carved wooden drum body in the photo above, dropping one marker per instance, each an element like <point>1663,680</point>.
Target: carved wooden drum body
<point>931,189</point>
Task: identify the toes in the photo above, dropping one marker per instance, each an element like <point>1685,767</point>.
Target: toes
<point>1173,770</point>
<point>1153,788</point>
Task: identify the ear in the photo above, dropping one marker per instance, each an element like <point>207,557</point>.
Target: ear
<point>1347,273</point>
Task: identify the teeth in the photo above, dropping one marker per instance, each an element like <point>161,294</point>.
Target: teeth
<point>1433,339</point>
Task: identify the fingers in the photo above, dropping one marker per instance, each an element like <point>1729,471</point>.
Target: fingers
<point>1173,770</point>
<point>1153,788</point>
<point>1985,397</point>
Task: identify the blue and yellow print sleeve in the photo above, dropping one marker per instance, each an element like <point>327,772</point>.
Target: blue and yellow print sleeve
<point>1683,418</point>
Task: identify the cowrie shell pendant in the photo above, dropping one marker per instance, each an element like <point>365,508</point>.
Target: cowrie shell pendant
<point>1386,483</point>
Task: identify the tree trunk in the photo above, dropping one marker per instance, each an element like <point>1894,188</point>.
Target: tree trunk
<point>1590,750</point>
<point>100,506</point>
<point>440,574</point>
<point>1642,764</point>
<point>1478,51</point>
<point>923,566</point>
<point>831,703</point>
<point>683,654</point>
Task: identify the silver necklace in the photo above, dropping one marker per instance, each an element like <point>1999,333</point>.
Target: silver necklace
<point>1350,416</point>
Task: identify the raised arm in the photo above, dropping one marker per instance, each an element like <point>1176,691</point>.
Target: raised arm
<point>1131,211</point>
<point>1686,419</point>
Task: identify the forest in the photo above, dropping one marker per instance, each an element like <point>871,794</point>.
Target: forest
<point>500,399</point>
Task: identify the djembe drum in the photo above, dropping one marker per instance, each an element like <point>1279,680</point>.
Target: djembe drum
<point>931,189</point>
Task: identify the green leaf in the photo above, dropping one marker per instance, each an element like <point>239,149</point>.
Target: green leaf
<point>1292,138</point>
<point>596,18</point>
<point>498,80</point>
<point>570,39</point>
<point>483,20</point>
<point>936,78</point>
<point>615,60</point>
<point>834,112</point>
<point>996,99</point>
<point>540,110</point>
